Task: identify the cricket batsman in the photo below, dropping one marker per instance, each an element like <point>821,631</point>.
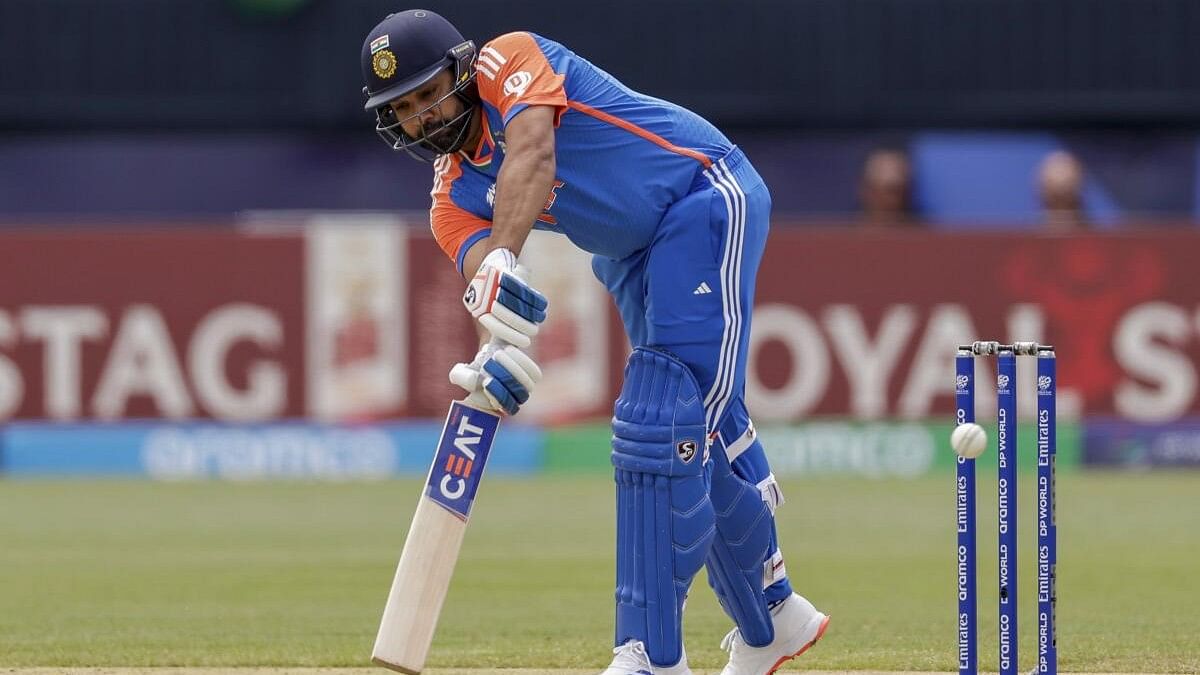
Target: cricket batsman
<point>523,133</point>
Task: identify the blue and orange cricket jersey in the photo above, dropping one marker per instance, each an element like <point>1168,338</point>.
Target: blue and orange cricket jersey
<point>623,157</point>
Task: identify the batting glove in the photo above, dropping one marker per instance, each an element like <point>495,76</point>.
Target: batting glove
<point>498,296</point>
<point>503,374</point>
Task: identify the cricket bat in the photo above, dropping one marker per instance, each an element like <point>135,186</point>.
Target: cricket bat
<point>435,536</point>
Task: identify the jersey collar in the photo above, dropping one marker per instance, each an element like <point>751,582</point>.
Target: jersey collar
<point>482,156</point>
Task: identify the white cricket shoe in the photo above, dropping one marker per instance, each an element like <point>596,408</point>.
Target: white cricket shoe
<point>631,659</point>
<point>798,626</point>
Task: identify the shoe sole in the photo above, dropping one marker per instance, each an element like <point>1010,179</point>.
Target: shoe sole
<point>820,632</point>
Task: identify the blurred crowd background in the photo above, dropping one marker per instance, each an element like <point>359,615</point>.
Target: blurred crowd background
<point>198,226</point>
<point>906,112</point>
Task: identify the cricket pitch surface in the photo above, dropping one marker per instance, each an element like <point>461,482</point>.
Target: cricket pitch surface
<point>114,670</point>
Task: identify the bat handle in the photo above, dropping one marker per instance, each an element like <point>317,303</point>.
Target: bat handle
<point>480,402</point>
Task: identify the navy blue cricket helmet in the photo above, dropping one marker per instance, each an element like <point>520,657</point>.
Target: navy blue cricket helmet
<point>405,51</point>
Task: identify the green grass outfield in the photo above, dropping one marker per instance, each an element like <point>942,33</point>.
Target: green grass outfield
<point>295,574</point>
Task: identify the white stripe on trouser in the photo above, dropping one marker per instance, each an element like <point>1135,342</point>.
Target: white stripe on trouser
<point>731,265</point>
<point>730,285</point>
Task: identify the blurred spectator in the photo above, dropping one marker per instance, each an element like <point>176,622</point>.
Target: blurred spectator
<point>885,189</point>
<point>1060,184</point>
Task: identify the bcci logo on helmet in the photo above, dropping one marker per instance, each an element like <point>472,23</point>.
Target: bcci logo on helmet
<point>1044,383</point>
<point>686,450</point>
<point>383,62</point>
<point>961,383</point>
<point>1002,382</point>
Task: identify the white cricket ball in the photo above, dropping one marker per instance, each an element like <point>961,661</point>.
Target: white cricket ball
<point>969,440</point>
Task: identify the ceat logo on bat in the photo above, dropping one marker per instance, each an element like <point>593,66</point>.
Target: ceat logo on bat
<point>462,453</point>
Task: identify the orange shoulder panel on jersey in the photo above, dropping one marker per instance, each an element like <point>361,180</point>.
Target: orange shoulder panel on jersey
<point>511,70</point>
<point>452,225</point>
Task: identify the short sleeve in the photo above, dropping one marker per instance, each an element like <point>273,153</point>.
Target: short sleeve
<point>513,73</point>
<point>454,228</point>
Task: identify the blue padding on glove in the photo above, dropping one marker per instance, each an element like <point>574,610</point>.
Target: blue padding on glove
<point>523,291</point>
<point>504,387</point>
<point>503,397</point>
<point>522,298</point>
<point>745,535</point>
<point>511,383</point>
<point>520,307</point>
<point>665,522</point>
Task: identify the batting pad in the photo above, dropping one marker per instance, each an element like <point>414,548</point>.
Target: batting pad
<point>740,563</point>
<point>665,523</point>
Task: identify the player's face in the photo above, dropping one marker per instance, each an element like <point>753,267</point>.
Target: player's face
<point>429,108</point>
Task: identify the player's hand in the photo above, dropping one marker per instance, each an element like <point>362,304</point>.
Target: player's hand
<point>505,305</point>
<point>502,374</point>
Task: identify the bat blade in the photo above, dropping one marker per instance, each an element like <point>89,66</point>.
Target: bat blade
<point>434,539</point>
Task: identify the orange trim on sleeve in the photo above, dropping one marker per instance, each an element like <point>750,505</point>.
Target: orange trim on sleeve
<point>512,70</point>
<point>639,131</point>
<point>451,224</point>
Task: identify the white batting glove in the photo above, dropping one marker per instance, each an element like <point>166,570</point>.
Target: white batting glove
<point>498,296</point>
<point>503,374</point>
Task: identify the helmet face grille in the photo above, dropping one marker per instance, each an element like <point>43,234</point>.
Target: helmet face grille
<point>443,138</point>
<point>449,135</point>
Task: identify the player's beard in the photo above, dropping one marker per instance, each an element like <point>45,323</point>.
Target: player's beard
<point>445,137</point>
<point>441,135</point>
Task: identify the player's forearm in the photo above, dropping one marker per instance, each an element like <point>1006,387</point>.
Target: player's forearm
<point>522,188</point>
